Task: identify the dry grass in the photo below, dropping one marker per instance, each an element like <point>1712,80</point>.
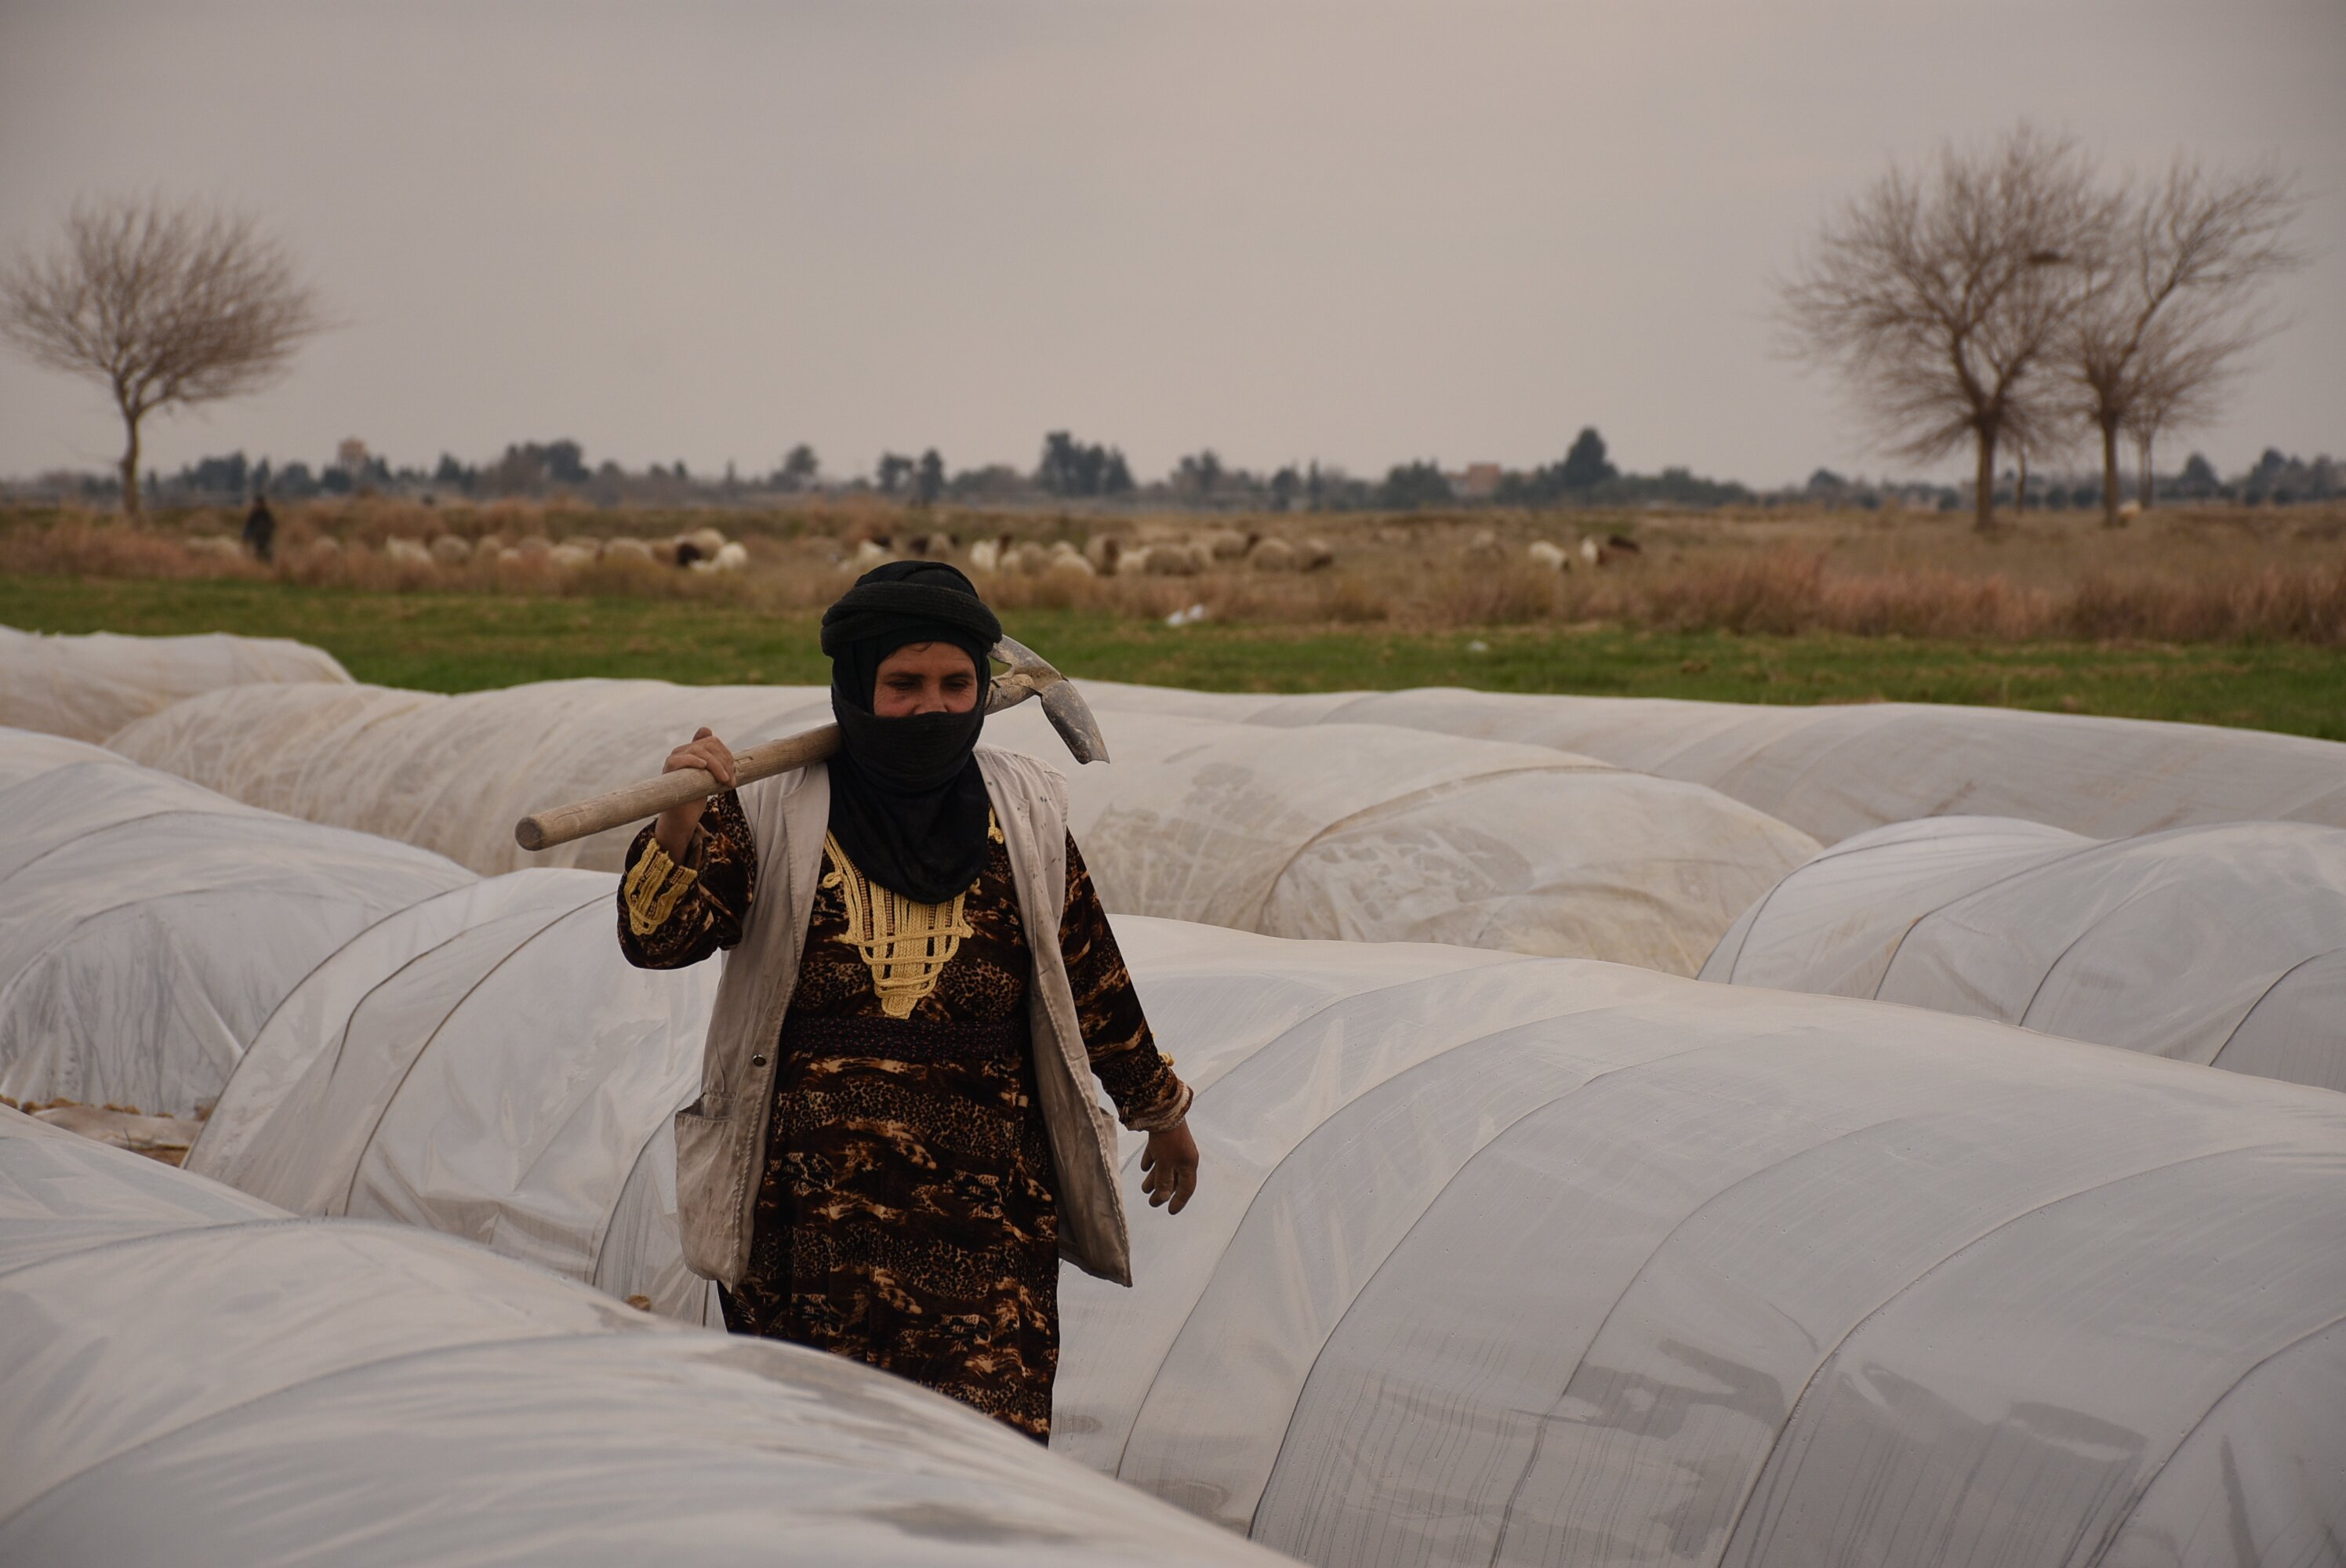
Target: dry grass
<point>2225,575</point>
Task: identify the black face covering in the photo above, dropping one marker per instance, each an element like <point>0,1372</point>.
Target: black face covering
<point>907,801</point>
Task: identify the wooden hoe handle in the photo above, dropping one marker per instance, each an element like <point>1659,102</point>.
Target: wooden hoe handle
<point>543,830</point>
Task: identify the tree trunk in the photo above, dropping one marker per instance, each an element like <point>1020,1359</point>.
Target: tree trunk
<point>2149,483</point>
<point>2110,475</point>
<point>2020,486</point>
<point>1984,501</point>
<point>131,464</point>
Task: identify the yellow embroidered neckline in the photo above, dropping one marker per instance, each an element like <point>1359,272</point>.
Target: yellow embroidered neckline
<point>906,945</point>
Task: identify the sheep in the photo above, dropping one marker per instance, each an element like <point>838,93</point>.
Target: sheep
<point>572,554</point>
<point>452,549</point>
<point>324,548</point>
<point>1592,552</point>
<point>708,540</point>
<point>1312,554</point>
<point>731,557</point>
<point>1551,556</point>
<point>214,546</point>
<point>534,546</point>
<point>1484,547</point>
<point>1622,544</point>
<point>406,552</point>
<point>626,549</point>
<point>869,553</point>
<point>1031,558</point>
<point>1272,554</point>
<point>984,555</point>
<point>1169,558</point>
<point>1105,552</point>
<point>1226,544</point>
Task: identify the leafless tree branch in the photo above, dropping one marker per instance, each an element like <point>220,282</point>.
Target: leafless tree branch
<point>2168,315</point>
<point>165,304</point>
<point>1940,296</point>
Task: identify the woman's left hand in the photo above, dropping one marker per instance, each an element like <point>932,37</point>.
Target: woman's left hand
<point>1170,1164</point>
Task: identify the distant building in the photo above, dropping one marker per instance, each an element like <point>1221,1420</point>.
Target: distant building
<point>1475,482</point>
<point>352,456</point>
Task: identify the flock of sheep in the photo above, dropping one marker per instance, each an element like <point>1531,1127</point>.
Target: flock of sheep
<point>700,550</point>
<point>1103,555</point>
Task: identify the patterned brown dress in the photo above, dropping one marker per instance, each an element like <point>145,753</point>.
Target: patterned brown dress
<point>908,1216</point>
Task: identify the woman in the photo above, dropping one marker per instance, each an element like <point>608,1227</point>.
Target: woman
<point>897,1134</point>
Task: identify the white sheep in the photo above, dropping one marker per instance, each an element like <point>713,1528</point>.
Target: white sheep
<point>1312,554</point>
<point>1551,555</point>
<point>1226,544</point>
<point>407,552</point>
<point>573,553</point>
<point>1105,552</point>
<point>1170,558</point>
<point>731,557</point>
<point>1272,554</point>
<point>452,549</point>
<point>984,555</point>
<point>1591,551</point>
<point>624,548</point>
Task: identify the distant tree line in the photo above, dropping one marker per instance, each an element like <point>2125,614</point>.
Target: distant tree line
<point>1071,472</point>
<point>1074,472</point>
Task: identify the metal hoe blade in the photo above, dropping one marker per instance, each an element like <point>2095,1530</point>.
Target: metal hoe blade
<point>1031,675</point>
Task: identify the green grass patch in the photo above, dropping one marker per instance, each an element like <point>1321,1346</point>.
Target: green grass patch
<point>464,642</point>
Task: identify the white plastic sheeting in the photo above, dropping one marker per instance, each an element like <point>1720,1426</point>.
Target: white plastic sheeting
<point>1501,1260</point>
<point>1354,831</point>
<point>149,926</point>
<point>484,1064</point>
<point>89,686</point>
<point>188,1377</point>
<point>2224,945</point>
<point>1837,770</point>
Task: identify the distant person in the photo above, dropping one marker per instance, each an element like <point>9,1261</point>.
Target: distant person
<point>260,530</point>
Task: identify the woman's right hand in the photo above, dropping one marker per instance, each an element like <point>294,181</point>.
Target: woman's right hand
<point>676,826</point>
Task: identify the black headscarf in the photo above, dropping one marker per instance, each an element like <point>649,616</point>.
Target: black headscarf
<point>907,802</point>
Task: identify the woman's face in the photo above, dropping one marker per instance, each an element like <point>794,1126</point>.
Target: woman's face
<point>925,678</point>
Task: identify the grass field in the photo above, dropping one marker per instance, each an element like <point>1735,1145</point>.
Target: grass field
<point>465,641</point>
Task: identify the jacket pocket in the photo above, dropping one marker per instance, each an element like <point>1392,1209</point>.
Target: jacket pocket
<point>707,1150</point>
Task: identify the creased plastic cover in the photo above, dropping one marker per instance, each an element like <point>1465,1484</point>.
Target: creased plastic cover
<point>1354,831</point>
<point>1516,1260</point>
<point>187,1375</point>
<point>89,686</point>
<point>149,927</point>
<point>1837,770</point>
<point>484,1064</point>
<point>2219,944</point>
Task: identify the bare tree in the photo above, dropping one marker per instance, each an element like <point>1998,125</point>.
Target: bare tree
<point>2167,314</point>
<point>167,305</point>
<point>1940,296</point>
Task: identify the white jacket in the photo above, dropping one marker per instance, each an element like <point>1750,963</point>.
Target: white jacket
<point>720,1138</point>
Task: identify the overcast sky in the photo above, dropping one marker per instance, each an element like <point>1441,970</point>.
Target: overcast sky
<point>1359,233</point>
